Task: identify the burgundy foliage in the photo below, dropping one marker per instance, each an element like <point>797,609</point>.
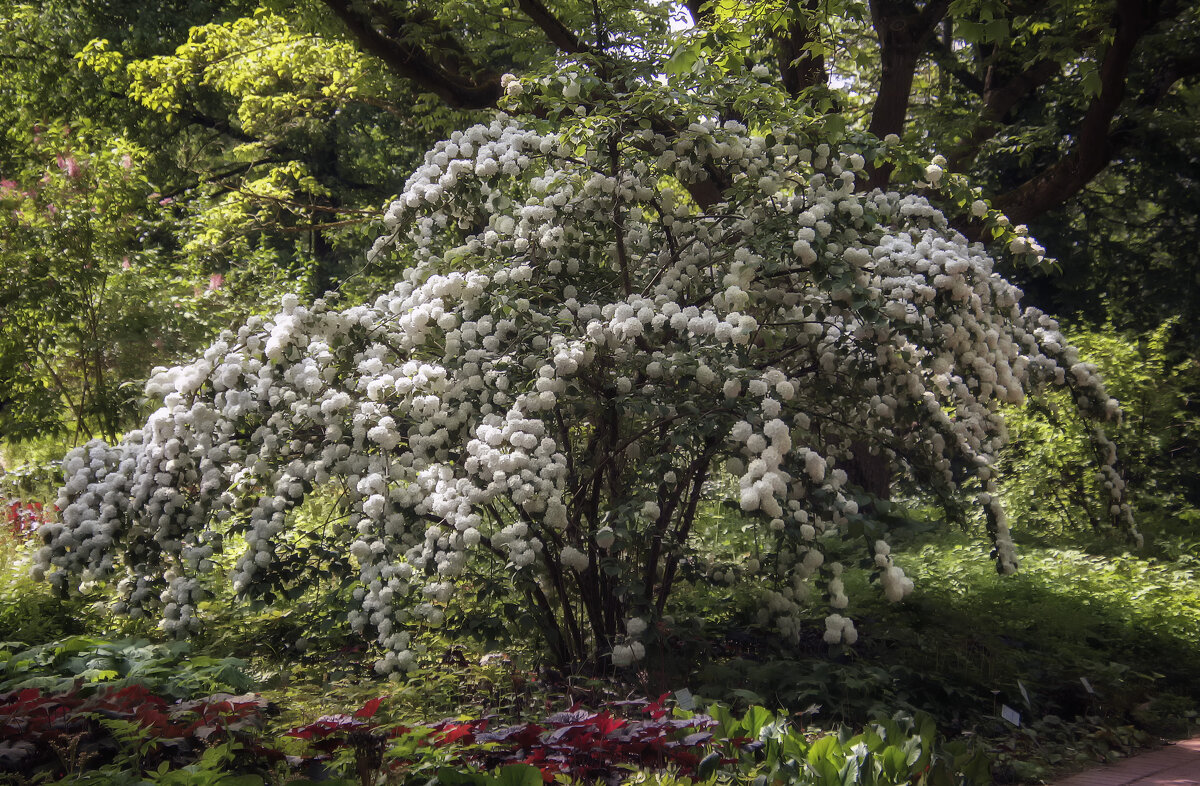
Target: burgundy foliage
<point>23,517</point>
<point>34,725</point>
<point>579,743</point>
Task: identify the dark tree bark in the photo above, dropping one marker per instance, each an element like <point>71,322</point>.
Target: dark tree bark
<point>903,30</point>
<point>1000,95</point>
<point>871,473</point>
<point>700,10</point>
<point>1093,148</point>
<point>799,66</point>
<point>558,33</point>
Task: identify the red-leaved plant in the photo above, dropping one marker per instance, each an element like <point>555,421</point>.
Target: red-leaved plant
<point>34,725</point>
<point>580,743</point>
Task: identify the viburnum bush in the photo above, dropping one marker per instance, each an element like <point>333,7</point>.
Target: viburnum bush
<point>583,341</point>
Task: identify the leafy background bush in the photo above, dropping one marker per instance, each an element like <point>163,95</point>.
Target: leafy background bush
<point>1050,485</point>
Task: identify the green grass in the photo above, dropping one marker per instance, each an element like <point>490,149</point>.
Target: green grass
<point>967,640</point>
<point>960,647</point>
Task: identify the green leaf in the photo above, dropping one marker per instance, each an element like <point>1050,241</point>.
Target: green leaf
<point>756,717</point>
<point>240,780</point>
<point>972,32</point>
<point>519,775</point>
<point>683,58</point>
<point>828,772</point>
<point>823,749</point>
<point>708,766</point>
<point>835,125</point>
<point>453,777</point>
<point>894,762</point>
<point>849,774</point>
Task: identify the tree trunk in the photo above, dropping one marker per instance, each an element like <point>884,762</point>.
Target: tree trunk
<point>872,473</point>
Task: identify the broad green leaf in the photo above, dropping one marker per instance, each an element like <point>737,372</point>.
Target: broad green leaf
<point>519,775</point>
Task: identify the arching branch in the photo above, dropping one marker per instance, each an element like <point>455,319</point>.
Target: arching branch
<point>1093,147</point>
<point>558,33</point>
<point>1000,96</point>
<point>380,34</point>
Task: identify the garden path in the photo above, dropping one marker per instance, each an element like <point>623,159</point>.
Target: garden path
<point>1174,765</point>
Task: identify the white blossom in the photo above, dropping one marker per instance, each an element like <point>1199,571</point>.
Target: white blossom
<point>449,419</point>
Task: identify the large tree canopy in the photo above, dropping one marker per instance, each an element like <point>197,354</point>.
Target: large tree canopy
<point>1114,62</point>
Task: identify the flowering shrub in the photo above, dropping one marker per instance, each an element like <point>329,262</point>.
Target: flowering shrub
<point>580,342</point>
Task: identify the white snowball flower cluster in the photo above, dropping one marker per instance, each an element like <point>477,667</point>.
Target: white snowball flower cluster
<point>577,344</point>
<point>628,654</point>
<point>839,629</point>
<point>895,584</point>
<point>632,650</point>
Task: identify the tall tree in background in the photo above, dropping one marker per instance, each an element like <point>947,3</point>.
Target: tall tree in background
<point>1103,65</point>
<point>256,155</point>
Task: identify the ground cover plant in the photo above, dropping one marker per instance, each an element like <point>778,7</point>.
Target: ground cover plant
<point>49,733</point>
<point>1094,651</point>
<point>84,662</point>
<point>129,734</point>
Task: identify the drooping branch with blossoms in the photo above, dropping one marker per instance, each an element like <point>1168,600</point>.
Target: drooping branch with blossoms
<point>576,349</point>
